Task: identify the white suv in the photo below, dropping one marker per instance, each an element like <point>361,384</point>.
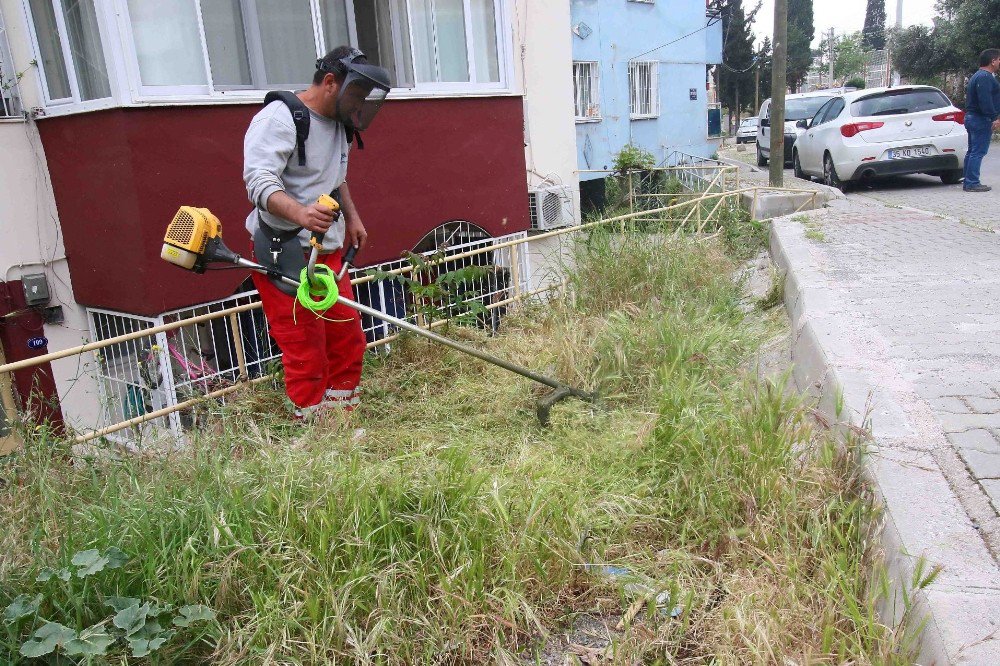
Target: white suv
<point>882,132</point>
<point>797,107</point>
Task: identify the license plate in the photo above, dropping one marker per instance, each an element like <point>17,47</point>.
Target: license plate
<point>907,153</point>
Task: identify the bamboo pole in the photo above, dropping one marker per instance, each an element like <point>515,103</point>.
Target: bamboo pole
<point>241,359</point>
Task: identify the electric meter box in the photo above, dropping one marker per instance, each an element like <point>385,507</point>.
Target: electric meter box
<point>36,289</point>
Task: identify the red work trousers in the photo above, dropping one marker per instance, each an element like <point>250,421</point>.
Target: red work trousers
<point>321,352</point>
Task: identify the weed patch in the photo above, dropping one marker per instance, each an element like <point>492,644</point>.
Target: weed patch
<point>698,513</point>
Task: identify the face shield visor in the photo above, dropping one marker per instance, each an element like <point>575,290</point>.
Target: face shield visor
<point>364,89</point>
<point>361,96</point>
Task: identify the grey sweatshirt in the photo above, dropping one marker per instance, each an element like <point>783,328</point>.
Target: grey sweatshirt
<point>271,163</point>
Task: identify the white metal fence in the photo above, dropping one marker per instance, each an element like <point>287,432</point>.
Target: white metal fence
<point>157,372</point>
<point>877,69</point>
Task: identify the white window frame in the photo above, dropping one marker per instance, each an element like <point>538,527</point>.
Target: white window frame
<point>499,10</point>
<point>592,70</point>
<point>127,90</point>
<point>73,101</point>
<point>653,69</point>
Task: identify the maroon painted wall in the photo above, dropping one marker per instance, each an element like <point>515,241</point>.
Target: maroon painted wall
<point>35,387</point>
<point>120,175</point>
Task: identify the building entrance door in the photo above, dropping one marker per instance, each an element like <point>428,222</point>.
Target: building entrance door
<point>9,439</point>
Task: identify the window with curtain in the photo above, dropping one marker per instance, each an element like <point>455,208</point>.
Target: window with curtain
<point>446,33</point>
<point>9,103</point>
<point>71,51</point>
<point>167,42</point>
<point>383,33</point>
<point>586,91</point>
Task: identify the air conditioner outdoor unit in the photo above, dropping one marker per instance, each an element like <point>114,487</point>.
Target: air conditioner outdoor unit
<point>551,207</point>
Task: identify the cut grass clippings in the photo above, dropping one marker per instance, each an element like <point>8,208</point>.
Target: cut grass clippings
<point>458,531</point>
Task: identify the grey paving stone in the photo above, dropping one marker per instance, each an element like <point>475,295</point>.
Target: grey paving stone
<point>979,440</point>
<point>984,405</point>
<point>964,422</point>
<point>982,465</point>
<point>950,404</point>
<point>992,488</point>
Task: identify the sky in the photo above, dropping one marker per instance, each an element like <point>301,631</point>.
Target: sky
<point>845,16</point>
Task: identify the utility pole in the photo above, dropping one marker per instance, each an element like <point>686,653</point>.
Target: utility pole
<point>756,88</point>
<point>779,79</point>
<point>830,45</point>
<point>899,26</point>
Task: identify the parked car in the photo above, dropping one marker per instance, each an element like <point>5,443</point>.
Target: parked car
<point>798,106</point>
<point>882,132</point>
<point>747,131</point>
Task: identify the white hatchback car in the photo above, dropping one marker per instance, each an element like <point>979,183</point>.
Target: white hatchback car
<point>882,132</point>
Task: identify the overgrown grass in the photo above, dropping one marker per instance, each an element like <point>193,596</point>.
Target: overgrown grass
<point>458,531</point>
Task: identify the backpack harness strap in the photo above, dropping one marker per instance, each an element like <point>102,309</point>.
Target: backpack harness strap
<point>300,116</point>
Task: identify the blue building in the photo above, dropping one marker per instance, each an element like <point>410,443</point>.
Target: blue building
<point>640,77</point>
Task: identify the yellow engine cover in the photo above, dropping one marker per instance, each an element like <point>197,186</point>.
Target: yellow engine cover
<point>192,228</point>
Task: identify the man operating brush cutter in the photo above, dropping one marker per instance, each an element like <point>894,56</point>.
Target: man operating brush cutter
<point>295,151</point>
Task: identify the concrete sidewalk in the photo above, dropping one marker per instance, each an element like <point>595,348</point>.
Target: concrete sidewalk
<point>896,314</point>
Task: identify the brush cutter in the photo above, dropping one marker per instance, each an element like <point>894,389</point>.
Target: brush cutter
<point>194,240</point>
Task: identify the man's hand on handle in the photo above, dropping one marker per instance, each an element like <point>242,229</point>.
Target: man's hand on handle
<point>355,234</point>
<point>315,217</point>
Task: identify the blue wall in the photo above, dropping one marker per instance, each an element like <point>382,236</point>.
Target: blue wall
<point>623,30</point>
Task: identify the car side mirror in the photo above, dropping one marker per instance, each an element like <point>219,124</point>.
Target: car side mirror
<point>804,124</point>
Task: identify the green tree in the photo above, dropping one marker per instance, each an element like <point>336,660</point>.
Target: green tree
<point>873,34</point>
<point>801,31</point>
<point>947,53</point>
<point>849,56</point>
<point>736,75</point>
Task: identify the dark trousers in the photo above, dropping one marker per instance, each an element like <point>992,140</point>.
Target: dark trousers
<point>979,129</point>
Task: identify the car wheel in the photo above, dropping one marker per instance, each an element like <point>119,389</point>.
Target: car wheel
<point>952,176</point>
<point>830,176</point>
<point>761,160</point>
<point>797,167</point>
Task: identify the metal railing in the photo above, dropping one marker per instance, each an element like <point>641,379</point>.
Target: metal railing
<point>157,371</point>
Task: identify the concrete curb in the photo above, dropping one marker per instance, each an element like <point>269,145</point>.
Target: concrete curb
<point>926,492</point>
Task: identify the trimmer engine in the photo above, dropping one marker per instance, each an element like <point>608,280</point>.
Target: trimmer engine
<point>194,238</point>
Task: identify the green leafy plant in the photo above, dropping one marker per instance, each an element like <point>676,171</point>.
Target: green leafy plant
<point>632,157</point>
<point>438,295</point>
<point>142,626</point>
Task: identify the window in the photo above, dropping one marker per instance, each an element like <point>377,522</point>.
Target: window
<point>801,108</point>
<point>454,41</point>
<point>893,102</point>
<point>271,44</point>
<point>833,110</point>
<point>9,103</point>
<point>587,91</point>
<point>821,115</point>
<point>73,68</point>
<point>644,91</point>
